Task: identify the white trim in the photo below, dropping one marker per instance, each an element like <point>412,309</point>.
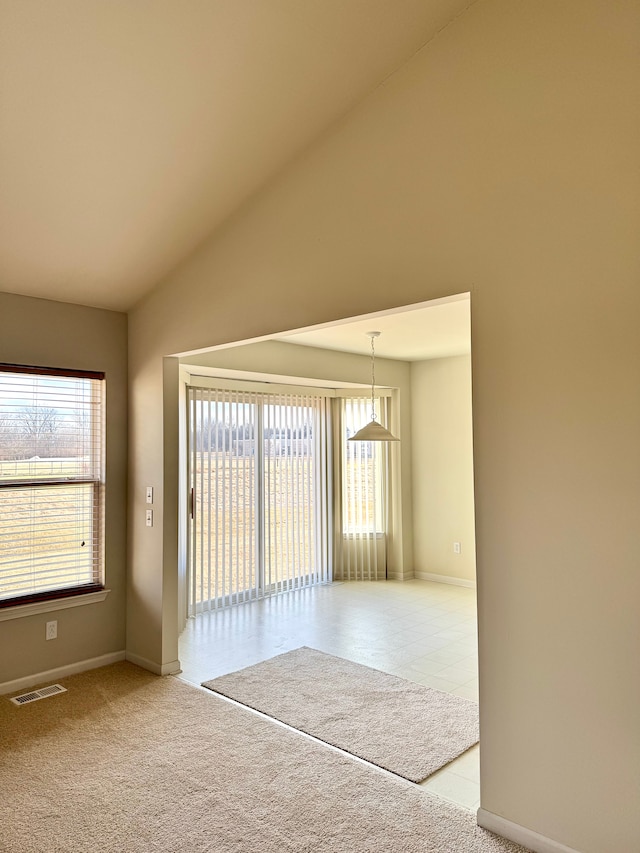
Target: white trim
<point>429,576</point>
<point>172,668</point>
<point>19,610</point>
<point>520,834</point>
<point>60,672</point>
<point>270,386</point>
<point>258,387</point>
<point>195,371</point>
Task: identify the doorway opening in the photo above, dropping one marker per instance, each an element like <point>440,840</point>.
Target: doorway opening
<point>248,543</point>
<point>419,625</point>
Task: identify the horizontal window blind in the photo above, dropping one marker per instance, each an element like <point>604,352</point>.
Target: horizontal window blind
<point>47,538</point>
<point>51,489</point>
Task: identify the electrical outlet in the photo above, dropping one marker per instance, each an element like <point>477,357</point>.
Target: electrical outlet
<point>52,630</point>
<point>149,494</point>
<point>457,548</point>
<point>149,518</point>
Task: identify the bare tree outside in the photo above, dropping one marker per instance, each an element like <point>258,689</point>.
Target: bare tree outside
<point>36,431</point>
<point>39,426</point>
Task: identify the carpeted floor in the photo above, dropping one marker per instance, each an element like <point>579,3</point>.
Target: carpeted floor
<point>127,761</point>
<point>404,727</point>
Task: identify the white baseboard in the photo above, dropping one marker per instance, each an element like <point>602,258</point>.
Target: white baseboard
<point>429,576</point>
<point>60,672</point>
<point>172,668</point>
<point>398,576</point>
<point>520,834</point>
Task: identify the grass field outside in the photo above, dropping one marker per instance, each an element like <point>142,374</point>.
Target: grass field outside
<point>47,531</point>
<point>225,548</point>
<point>37,469</point>
<point>224,545</point>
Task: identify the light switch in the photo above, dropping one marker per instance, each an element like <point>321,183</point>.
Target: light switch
<point>149,494</point>
<point>149,518</point>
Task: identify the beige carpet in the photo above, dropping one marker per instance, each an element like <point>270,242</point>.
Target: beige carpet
<point>402,726</point>
<point>130,762</point>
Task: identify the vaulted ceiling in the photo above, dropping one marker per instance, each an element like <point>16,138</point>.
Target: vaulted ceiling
<point>130,131</point>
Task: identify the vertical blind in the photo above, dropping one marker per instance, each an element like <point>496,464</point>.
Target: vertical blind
<point>259,479</point>
<point>51,463</point>
<point>361,544</point>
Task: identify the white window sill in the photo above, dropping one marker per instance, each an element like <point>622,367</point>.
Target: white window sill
<point>55,604</point>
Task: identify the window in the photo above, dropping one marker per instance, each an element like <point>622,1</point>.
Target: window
<point>363,472</point>
<point>51,483</point>
<point>361,504</point>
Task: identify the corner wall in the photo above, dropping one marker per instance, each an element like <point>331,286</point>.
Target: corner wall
<point>55,334</point>
<point>442,462</point>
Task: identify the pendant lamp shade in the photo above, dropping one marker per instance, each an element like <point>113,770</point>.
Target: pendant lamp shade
<point>373,431</point>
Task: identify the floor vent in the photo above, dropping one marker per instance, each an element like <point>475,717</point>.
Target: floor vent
<point>34,695</point>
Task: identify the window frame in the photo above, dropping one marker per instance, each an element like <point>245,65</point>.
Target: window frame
<point>73,595</point>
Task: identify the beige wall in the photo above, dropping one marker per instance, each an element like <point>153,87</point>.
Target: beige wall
<point>53,334</point>
<point>442,463</point>
<point>502,160</point>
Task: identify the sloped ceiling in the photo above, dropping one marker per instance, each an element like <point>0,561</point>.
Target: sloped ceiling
<point>129,131</point>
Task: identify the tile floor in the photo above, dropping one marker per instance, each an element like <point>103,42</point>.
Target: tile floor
<point>422,631</point>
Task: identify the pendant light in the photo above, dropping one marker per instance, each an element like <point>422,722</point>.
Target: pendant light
<point>373,431</point>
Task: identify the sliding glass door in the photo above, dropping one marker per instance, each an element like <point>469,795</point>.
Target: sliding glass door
<point>259,484</point>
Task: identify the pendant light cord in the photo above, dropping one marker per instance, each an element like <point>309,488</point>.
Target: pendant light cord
<point>373,431</point>
<point>373,379</point>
